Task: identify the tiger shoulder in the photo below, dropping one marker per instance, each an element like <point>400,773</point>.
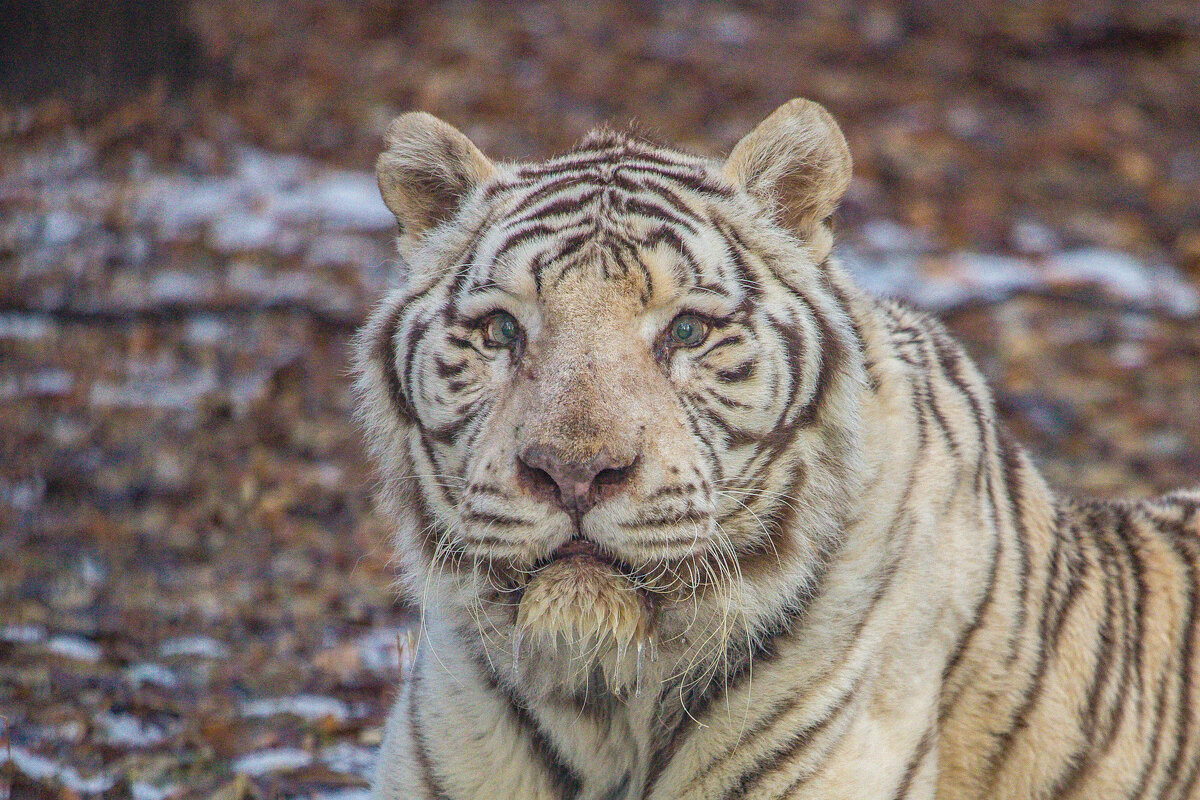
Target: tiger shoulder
<point>688,514</point>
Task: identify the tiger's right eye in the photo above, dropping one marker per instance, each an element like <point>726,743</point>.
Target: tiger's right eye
<point>687,330</point>
<point>501,330</point>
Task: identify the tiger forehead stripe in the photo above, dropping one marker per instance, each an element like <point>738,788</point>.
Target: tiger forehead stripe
<point>576,214</point>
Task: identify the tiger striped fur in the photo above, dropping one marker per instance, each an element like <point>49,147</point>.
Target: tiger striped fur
<point>828,570</point>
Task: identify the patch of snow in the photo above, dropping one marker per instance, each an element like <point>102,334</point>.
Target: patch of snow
<point>92,571</point>
<point>1129,355</point>
<point>75,647</point>
<point>1115,271</point>
<point>280,759</point>
<point>175,286</point>
<point>61,228</point>
<point>22,634</point>
<point>965,121</point>
<point>385,651</point>
<point>33,766</point>
<point>89,784</point>
<point>236,233</point>
<point>205,330</point>
<point>350,759</point>
<point>1033,238</point>
<point>70,731</point>
<point>23,495</point>
<point>328,475</point>
<point>265,171</point>
<point>305,706</point>
<point>890,263</point>
<point>47,383</point>
<point>193,647</point>
<point>887,236</point>
<point>734,28</point>
<point>141,790</point>
<point>339,200</point>
<point>261,204</point>
<point>151,674</point>
<point>344,249</point>
<point>1157,286</point>
<point>247,278</point>
<point>245,392</point>
<point>24,327</point>
<point>178,207</point>
<point>39,768</point>
<point>172,394</point>
<point>127,730</point>
<point>53,164</point>
<point>343,794</point>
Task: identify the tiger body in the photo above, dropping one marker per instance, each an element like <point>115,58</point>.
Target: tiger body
<point>848,581</point>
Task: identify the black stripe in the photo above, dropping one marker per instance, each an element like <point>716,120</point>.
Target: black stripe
<point>713,457</point>
<point>843,300</point>
<point>985,602</point>
<point>552,203</point>
<point>571,245</point>
<point>635,205</point>
<point>563,777</point>
<point>1051,607</point>
<point>1159,726</point>
<point>738,253</point>
<point>766,650</point>
<point>666,193</point>
<point>734,437</point>
<point>832,354</point>
<point>617,152</point>
<point>742,372</point>
<point>667,520</point>
<point>950,359</point>
<point>789,746</point>
<point>617,792</point>
<point>1118,661</point>
<point>530,233</point>
<point>411,340</point>
<point>489,518</point>
<point>1013,469</point>
<point>914,763</point>
<point>386,347</point>
<point>448,370</point>
<point>429,778</point>
<point>728,341</point>
<point>1185,552</point>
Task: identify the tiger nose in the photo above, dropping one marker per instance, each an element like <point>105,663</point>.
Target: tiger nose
<point>574,485</point>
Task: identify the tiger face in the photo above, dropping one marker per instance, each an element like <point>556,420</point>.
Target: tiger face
<point>613,399</point>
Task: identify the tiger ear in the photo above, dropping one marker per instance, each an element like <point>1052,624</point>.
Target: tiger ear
<point>426,171</point>
<point>797,162</point>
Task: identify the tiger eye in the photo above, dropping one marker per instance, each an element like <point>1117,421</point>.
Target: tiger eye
<point>501,330</point>
<point>688,330</point>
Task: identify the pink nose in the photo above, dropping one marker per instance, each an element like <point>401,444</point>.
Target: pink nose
<point>574,485</point>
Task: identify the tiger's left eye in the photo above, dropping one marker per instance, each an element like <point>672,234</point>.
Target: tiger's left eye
<point>688,330</point>
<point>501,330</point>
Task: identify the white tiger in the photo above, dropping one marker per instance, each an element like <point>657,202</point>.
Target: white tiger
<point>688,515</point>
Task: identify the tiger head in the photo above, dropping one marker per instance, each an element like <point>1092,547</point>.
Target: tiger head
<point>615,400</point>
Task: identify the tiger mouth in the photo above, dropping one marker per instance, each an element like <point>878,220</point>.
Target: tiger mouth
<point>577,548</point>
<point>585,550</point>
<point>582,595</point>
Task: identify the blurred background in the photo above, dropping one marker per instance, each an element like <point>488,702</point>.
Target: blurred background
<point>195,593</point>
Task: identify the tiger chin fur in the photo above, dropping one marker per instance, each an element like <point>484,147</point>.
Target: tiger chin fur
<point>689,515</point>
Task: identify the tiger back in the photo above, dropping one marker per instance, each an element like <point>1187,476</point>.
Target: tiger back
<point>689,515</point>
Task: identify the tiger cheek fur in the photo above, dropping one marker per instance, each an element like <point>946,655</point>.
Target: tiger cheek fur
<point>687,514</point>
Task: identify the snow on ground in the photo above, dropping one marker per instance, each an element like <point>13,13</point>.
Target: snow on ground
<point>277,206</point>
